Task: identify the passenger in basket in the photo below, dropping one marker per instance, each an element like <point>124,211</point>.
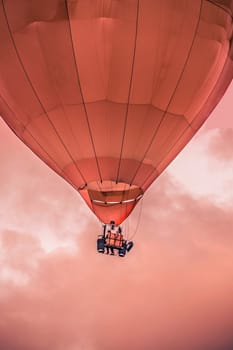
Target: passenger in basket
<point>119,237</point>
<point>107,243</point>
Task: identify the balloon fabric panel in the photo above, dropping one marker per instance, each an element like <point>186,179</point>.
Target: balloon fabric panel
<point>108,92</point>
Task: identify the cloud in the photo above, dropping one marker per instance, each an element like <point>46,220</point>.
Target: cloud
<point>221,146</point>
<point>205,168</point>
<point>19,250</point>
<point>221,117</point>
<point>172,291</point>
<point>31,194</point>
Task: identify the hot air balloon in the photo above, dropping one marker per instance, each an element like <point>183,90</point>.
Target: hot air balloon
<point>108,92</point>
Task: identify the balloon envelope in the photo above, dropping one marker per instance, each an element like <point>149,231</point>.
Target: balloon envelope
<point>107,92</point>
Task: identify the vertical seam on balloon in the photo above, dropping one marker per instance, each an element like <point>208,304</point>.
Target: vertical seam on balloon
<point>105,90</point>
<point>190,126</point>
<point>108,131</point>
<point>156,169</point>
<point>56,91</point>
<point>35,93</point>
<point>81,92</point>
<point>171,131</point>
<point>43,149</point>
<point>172,96</point>
<point>110,66</point>
<point>129,94</point>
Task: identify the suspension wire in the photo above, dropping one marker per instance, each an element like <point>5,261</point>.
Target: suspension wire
<point>126,199</point>
<point>126,228</point>
<point>173,94</point>
<point>35,92</point>
<point>81,92</point>
<point>138,221</point>
<point>130,90</point>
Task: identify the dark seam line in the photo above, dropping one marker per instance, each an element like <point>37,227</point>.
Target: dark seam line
<point>81,92</point>
<point>35,93</point>
<point>172,96</point>
<point>61,104</point>
<point>129,94</point>
<point>229,12</point>
<point>43,149</point>
<point>188,127</point>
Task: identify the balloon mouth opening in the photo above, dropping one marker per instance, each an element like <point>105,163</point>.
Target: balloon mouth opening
<point>107,193</point>
<point>96,201</point>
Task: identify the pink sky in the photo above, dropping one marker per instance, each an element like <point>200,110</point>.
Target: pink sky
<point>172,292</point>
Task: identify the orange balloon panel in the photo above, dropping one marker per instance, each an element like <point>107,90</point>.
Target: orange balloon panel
<point>107,92</point>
